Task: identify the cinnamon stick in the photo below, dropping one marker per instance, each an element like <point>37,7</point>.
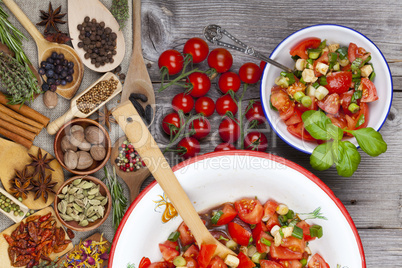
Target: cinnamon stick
<point>4,109</point>
<point>17,130</point>
<point>26,111</point>
<point>20,124</point>
<point>14,137</point>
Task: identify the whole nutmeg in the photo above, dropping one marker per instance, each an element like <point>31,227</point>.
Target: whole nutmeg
<point>85,146</point>
<point>50,99</point>
<point>71,159</point>
<point>75,128</point>
<point>77,137</point>
<point>66,144</point>
<point>98,152</point>
<point>94,135</point>
<point>84,160</point>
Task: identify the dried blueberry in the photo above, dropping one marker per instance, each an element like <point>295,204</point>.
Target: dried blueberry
<point>56,76</point>
<point>49,73</point>
<point>43,64</point>
<point>54,55</point>
<point>64,62</point>
<point>50,60</point>
<point>41,71</point>
<point>69,78</point>
<point>63,82</point>
<point>45,87</point>
<point>59,69</point>
<point>61,56</point>
<point>57,62</point>
<point>57,82</point>
<point>51,81</point>
<point>53,88</point>
<point>70,64</point>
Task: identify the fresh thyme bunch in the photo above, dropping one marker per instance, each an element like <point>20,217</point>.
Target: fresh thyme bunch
<point>119,10</point>
<point>21,85</point>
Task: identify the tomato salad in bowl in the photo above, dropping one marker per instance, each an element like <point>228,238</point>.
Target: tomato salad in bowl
<point>265,234</point>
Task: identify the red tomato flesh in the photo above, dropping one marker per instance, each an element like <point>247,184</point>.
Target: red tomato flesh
<point>339,82</point>
<point>300,49</point>
<point>244,261</point>
<point>229,213</point>
<point>240,235</point>
<point>205,255</point>
<point>250,210</point>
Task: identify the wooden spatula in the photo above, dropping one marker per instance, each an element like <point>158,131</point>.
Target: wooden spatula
<point>137,132</point>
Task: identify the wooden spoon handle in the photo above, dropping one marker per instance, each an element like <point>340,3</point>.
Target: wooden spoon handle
<point>54,126</point>
<point>23,19</point>
<point>137,24</point>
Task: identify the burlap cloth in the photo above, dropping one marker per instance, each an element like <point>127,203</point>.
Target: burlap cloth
<point>44,140</point>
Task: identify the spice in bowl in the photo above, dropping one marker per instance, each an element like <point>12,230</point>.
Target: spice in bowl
<point>96,95</point>
<point>57,70</point>
<point>81,201</point>
<point>128,158</point>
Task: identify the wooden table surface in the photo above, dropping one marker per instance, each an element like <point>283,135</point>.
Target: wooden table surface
<point>373,195</point>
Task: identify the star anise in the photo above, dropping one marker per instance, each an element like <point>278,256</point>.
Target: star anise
<point>51,18</point>
<point>40,163</point>
<point>43,186</point>
<point>105,117</point>
<point>21,184</point>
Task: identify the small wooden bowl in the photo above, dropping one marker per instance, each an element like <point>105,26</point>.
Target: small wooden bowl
<point>92,225</point>
<point>84,122</point>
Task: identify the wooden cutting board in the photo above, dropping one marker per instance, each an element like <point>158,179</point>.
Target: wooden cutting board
<point>94,237</point>
<point>15,156</point>
<point>5,260</point>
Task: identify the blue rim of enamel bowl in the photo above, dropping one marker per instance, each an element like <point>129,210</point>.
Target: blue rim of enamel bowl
<point>314,26</point>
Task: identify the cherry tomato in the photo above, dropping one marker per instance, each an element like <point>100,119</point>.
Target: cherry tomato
<point>339,82</point>
<point>244,261</point>
<point>261,247</point>
<point>291,263</point>
<point>369,91</point>
<point>255,112</point>
<point>171,123</point>
<point>250,73</point>
<point>330,103</point>
<point>200,84</point>
<point>226,104</point>
<point>184,102</point>
<point>280,100</point>
<point>191,262</point>
<point>144,263</point>
<point>190,147</point>
<point>229,213</point>
<point>186,237</point>
<point>239,234</point>
<point>306,230</point>
<point>205,106</point>
<point>269,209</point>
<point>250,210</point>
<point>168,250</point>
<point>229,130</point>
<point>317,262</point>
<point>159,264</point>
<point>256,141</point>
<point>229,81</point>
<point>262,65</point>
<point>197,48</point>
<point>300,49</point>
<point>206,253</point>
<point>172,60</point>
<point>220,59</point>
<point>191,252</point>
<point>356,52</point>
<point>293,243</point>
<point>224,146</point>
<point>201,128</point>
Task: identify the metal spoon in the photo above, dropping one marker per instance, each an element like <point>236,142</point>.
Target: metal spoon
<point>214,33</point>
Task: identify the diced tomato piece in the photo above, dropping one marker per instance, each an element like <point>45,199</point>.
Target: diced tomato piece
<point>186,237</point>
<point>261,247</point>
<point>299,131</point>
<point>346,68</point>
<point>273,220</point>
<point>291,264</point>
<point>369,93</point>
<point>168,252</point>
<point>144,263</point>
<point>250,210</point>
<point>339,82</point>
<point>356,52</point>
<point>283,253</point>
<point>206,254</point>
<point>192,252</point>
<point>330,103</point>
<point>217,262</point>
<point>322,59</point>
<point>244,261</point>
<point>300,49</point>
<point>159,264</point>
<point>259,227</point>
<point>269,209</point>
<point>191,262</point>
<point>295,118</point>
<point>354,119</point>
<point>229,213</point>
<point>294,244</point>
<point>270,264</point>
<point>285,115</point>
<point>280,100</point>
<point>346,98</point>
<point>313,105</point>
<point>240,235</point>
<point>306,230</point>
<point>338,120</point>
<point>317,262</point>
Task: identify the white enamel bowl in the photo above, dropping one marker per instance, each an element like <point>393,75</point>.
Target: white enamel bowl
<point>378,110</point>
<point>219,177</point>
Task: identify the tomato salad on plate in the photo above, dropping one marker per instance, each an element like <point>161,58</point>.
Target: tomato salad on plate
<point>262,235</point>
<point>333,78</point>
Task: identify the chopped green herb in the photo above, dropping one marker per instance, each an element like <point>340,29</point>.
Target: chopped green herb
<point>297,232</point>
<point>332,59</point>
<point>323,44</point>
<point>323,80</point>
<point>316,231</point>
<point>342,52</point>
<point>265,241</point>
<point>360,121</point>
<point>216,217</point>
<point>223,238</point>
<point>290,77</point>
<point>356,64</point>
<point>174,236</point>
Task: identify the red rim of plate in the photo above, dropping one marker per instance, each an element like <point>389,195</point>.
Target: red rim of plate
<point>268,156</point>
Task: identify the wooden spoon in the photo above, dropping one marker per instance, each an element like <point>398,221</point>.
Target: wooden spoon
<point>46,48</point>
<point>131,123</point>
<point>54,126</point>
<point>77,11</point>
<point>137,79</point>
<point>133,179</point>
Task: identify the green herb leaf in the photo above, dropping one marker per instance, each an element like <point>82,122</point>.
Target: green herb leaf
<point>357,95</point>
<point>348,159</point>
<point>343,52</point>
<point>332,59</point>
<point>323,80</point>
<point>316,123</point>
<point>370,141</point>
<point>323,44</point>
<point>216,217</point>
<point>356,64</point>
<point>322,158</point>
<point>360,121</point>
<point>290,77</point>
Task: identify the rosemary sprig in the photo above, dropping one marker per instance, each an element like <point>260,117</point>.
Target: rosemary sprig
<point>119,201</point>
<point>119,9</point>
<point>316,214</point>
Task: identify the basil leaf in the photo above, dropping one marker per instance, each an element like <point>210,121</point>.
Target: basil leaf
<point>360,121</point>
<point>335,132</point>
<point>343,52</point>
<point>321,158</point>
<point>370,141</point>
<point>348,159</point>
<point>316,123</point>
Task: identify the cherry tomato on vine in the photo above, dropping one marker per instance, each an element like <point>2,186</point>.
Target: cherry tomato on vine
<point>255,112</point>
<point>199,83</point>
<point>171,123</point>
<point>229,81</point>
<point>256,141</point>
<point>172,60</point>
<point>197,48</point>
<point>205,106</point>
<point>184,102</point>
<point>250,73</point>
<point>224,146</point>
<point>262,65</point>
<point>189,147</point>
<point>220,59</point>
<point>201,128</point>
<point>226,104</point>
<point>229,130</point>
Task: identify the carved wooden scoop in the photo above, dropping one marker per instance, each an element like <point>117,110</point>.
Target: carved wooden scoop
<point>137,132</point>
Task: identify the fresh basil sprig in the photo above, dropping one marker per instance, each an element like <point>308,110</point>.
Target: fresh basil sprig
<point>341,153</point>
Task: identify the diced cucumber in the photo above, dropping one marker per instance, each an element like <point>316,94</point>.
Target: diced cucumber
<point>298,96</point>
<point>314,53</point>
<point>310,91</point>
<point>321,92</point>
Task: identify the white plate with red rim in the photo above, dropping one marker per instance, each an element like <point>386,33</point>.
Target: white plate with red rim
<point>218,177</point>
